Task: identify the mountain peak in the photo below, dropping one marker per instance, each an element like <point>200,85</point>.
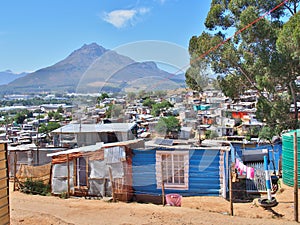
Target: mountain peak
<point>8,71</point>
<point>92,49</point>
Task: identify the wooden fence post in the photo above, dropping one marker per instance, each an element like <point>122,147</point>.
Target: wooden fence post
<point>230,189</point>
<point>68,176</point>
<point>112,184</point>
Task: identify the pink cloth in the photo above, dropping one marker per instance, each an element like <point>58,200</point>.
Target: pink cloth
<point>250,173</point>
<point>173,199</point>
<point>245,168</point>
<point>237,161</point>
<point>241,168</point>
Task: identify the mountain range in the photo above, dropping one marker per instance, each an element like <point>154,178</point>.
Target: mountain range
<point>92,68</point>
<point>8,76</point>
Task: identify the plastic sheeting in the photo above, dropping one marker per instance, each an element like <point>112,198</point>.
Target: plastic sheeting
<point>98,176</point>
<point>99,169</point>
<point>114,154</point>
<point>99,187</point>
<point>59,178</point>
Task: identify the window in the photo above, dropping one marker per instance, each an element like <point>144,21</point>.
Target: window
<point>173,168</point>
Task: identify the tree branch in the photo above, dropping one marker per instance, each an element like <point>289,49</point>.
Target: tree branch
<point>258,90</point>
<point>289,8</point>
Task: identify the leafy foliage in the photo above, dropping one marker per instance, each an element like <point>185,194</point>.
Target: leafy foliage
<point>47,128</point>
<point>165,125</point>
<point>35,187</point>
<point>113,111</point>
<point>158,107</point>
<point>263,57</point>
<point>148,102</point>
<point>102,97</point>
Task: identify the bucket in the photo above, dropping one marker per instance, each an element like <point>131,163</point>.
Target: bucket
<point>173,199</point>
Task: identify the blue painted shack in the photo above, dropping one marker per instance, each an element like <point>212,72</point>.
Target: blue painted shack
<point>184,170</point>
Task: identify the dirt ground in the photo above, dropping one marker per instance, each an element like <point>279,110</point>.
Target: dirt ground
<point>33,209</point>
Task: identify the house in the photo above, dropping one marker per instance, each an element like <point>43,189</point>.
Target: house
<point>185,133</point>
<point>96,170</point>
<point>89,134</point>
<point>183,169</point>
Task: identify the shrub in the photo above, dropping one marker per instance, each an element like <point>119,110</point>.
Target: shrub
<point>35,187</point>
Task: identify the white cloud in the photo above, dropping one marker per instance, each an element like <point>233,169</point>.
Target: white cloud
<point>121,18</point>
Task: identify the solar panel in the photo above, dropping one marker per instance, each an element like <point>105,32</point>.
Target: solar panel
<point>168,142</point>
<point>160,141</point>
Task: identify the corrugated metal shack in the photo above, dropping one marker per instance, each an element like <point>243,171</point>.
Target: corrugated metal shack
<point>89,134</point>
<point>185,170</point>
<point>95,170</point>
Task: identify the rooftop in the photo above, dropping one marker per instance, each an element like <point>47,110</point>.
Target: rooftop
<point>94,128</point>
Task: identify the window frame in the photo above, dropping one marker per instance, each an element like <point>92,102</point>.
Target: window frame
<point>183,186</point>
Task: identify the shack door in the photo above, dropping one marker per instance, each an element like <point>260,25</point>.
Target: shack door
<point>81,171</point>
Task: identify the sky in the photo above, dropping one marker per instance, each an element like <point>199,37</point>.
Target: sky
<point>35,34</point>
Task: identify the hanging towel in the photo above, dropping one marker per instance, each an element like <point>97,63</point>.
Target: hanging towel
<point>251,173</point>
<point>245,168</point>
<point>241,168</point>
<point>248,172</point>
<point>237,161</point>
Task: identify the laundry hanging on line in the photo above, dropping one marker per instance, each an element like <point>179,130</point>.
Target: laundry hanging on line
<point>244,170</point>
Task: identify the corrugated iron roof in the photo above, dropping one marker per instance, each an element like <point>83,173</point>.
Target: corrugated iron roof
<point>94,128</point>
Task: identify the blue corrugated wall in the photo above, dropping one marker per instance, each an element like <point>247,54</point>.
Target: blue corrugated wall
<point>204,173</point>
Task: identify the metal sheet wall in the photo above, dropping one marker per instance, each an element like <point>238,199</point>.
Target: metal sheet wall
<point>204,173</point>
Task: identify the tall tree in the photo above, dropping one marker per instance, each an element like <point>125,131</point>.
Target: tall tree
<point>249,59</point>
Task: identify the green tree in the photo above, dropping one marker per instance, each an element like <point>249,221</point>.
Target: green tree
<point>288,45</point>
<point>47,128</point>
<point>158,107</point>
<point>252,58</point>
<point>165,125</point>
<point>113,111</point>
<point>57,116</point>
<point>102,97</point>
<point>51,114</point>
<point>20,117</point>
<point>60,109</point>
<point>148,102</point>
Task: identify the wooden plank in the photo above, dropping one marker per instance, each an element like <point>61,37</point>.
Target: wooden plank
<point>2,146</point>
<point>3,201</point>
<point>3,183</point>
<point>3,192</point>
<point>3,173</point>
<point>4,210</point>
<point>2,164</point>
<point>2,155</point>
<point>4,220</point>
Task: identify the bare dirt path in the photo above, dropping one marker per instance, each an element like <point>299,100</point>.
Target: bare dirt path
<point>32,209</point>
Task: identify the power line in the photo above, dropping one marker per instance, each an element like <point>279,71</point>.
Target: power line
<point>236,33</point>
